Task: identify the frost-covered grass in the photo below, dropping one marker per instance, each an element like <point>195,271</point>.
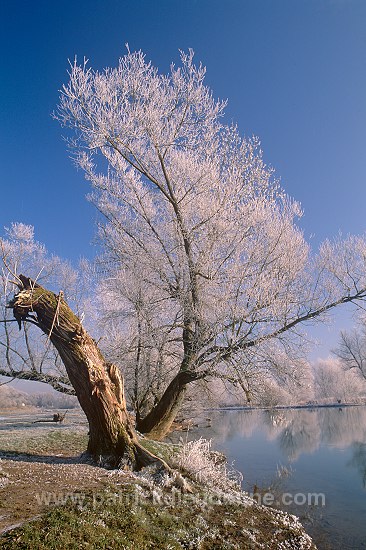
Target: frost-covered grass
<point>4,478</point>
<point>44,440</point>
<point>148,510</point>
<point>140,516</point>
<point>197,459</point>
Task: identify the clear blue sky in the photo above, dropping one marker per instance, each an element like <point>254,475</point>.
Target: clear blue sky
<point>294,72</point>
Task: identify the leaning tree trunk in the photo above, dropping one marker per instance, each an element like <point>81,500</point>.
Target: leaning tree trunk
<point>98,384</point>
<point>158,422</point>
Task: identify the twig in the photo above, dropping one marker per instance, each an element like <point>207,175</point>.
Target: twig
<point>14,274</point>
<point>7,382</point>
<point>55,317</point>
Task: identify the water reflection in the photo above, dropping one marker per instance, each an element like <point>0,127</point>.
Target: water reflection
<point>302,434</point>
<point>326,450</point>
<point>297,431</point>
<point>358,460</point>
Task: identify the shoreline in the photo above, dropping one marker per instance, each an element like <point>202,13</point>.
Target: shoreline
<point>285,407</point>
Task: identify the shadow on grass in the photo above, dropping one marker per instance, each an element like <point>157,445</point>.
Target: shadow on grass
<point>45,459</point>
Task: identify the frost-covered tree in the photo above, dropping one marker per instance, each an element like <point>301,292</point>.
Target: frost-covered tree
<point>268,369</point>
<point>193,217</point>
<point>351,350</point>
<point>335,383</point>
<point>23,354</point>
<point>97,382</point>
<point>134,337</point>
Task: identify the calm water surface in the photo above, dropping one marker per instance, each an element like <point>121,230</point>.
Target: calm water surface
<point>324,452</point>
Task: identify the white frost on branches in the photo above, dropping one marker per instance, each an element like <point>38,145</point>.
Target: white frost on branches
<point>22,353</point>
<point>203,255</point>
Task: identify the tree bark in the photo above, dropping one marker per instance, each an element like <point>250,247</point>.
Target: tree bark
<point>97,384</point>
<point>158,422</point>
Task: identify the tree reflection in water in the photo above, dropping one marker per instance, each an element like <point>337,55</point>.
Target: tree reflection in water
<point>358,460</point>
<point>299,431</point>
<point>327,449</point>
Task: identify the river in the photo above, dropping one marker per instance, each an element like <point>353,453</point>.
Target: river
<point>310,462</point>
